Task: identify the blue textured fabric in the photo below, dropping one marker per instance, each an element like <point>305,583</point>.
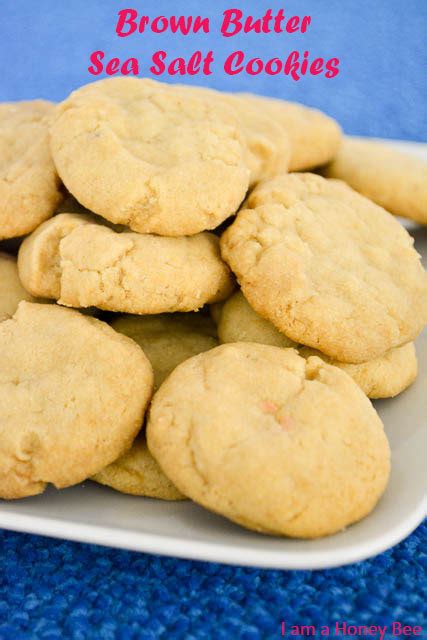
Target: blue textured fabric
<point>381,89</point>
<point>51,589</point>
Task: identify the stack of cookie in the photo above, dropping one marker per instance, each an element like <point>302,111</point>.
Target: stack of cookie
<point>246,309</point>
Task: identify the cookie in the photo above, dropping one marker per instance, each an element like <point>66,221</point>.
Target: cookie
<point>11,289</point>
<point>168,339</point>
<point>383,377</point>
<point>81,263</point>
<point>29,183</point>
<point>142,154</point>
<point>277,443</point>
<point>397,181</point>
<point>267,146</point>
<point>314,137</point>
<point>215,311</point>
<point>268,142</point>
<point>137,473</point>
<point>331,269</point>
<point>73,397</point>
<point>240,323</point>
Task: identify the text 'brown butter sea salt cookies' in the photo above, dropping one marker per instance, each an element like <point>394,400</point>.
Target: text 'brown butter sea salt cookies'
<point>330,269</point>
<point>73,397</point>
<point>137,473</point>
<point>29,183</point>
<point>314,137</point>
<point>397,181</point>
<point>383,377</point>
<point>11,289</point>
<point>81,263</point>
<point>150,156</point>
<point>168,339</point>
<point>270,440</point>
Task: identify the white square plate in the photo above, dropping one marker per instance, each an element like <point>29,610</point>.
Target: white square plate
<point>92,513</point>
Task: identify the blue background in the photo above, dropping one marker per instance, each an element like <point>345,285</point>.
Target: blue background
<point>381,90</point>
<point>51,589</point>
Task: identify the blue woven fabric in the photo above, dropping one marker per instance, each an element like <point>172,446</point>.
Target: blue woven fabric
<point>51,589</point>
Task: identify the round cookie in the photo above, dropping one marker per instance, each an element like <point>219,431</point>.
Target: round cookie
<point>146,155</point>
<point>314,137</point>
<point>383,377</point>
<point>275,442</point>
<point>29,183</point>
<point>330,269</point>
<point>215,311</point>
<point>137,473</point>
<point>168,339</point>
<point>11,289</point>
<point>397,181</point>
<point>81,263</point>
<point>268,148</point>
<point>73,397</point>
<point>240,323</point>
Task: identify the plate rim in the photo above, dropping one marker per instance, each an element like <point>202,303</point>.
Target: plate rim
<point>173,546</point>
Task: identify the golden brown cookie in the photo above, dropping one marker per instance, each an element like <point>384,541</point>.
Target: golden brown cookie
<point>330,269</point>
<point>141,153</point>
<point>267,146</point>
<point>314,137</point>
<point>215,311</point>
<point>277,443</point>
<point>73,397</point>
<point>383,377</point>
<point>81,263</point>
<point>240,323</point>
<point>29,183</point>
<point>11,289</point>
<point>168,339</point>
<point>137,473</point>
<point>397,181</point>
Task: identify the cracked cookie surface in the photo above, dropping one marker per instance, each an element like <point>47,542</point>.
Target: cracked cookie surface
<point>73,397</point>
<point>81,263</point>
<point>150,156</point>
<point>267,145</point>
<point>29,183</point>
<point>397,181</point>
<point>270,440</point>
<point>330,269</point>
